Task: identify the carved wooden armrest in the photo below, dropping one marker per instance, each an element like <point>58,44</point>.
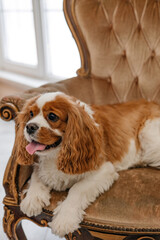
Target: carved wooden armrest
<point>10,106</point>
<point>8,111</point>
<point>15,175</point>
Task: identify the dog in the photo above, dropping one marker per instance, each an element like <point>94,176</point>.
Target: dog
<point>82,148</point>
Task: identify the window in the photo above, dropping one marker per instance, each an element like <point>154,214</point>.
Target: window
<point>36,40</point>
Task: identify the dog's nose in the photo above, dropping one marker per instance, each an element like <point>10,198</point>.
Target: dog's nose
<point>31,128</point>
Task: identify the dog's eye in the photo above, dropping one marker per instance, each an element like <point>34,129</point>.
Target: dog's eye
<point>53,117</point>
<point>31,114</point>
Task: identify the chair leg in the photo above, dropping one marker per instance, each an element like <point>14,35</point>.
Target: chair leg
<point>12,226</point>
<point>19,232</point>
<point>81,234</point>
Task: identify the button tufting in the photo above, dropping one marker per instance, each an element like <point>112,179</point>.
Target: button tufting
<point>139,27</point>
<point>110,26</point>
<point>136,80</point>
<point>124,54</point>
<point>109,79</point>
<point>153,54</point>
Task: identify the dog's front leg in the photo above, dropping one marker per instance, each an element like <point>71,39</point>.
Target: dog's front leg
<point>69,213</point>
<point>38,196</point>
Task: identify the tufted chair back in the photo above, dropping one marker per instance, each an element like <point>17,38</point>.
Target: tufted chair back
<point>119,42</point>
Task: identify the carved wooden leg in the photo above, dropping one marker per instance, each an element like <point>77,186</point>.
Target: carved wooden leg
<point>81,234</point>
<point>19,232</point>
<point>12,227</point>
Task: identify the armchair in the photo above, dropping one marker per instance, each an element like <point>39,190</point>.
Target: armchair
<point>119,45</point>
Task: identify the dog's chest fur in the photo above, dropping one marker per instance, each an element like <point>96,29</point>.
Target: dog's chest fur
<point>51,176</point>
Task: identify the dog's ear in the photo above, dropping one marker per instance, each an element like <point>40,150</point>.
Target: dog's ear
<point>82,143</point>
<point>23,157</point>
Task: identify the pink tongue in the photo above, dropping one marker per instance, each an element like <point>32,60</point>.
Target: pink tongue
<point>33,147</point>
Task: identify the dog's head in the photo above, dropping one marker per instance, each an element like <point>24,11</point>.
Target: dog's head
<point>55,120</point>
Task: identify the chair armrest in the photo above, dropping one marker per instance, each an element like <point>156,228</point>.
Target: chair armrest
<point>10,106</point>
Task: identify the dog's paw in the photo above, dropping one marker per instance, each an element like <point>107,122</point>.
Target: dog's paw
<point>66,220</point>
<point>64,224</point>
<point>33,203</point>
<point>30,207</point>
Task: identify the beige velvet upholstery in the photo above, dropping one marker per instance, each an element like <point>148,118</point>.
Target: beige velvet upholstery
<point>127,204</point>
<point>123,39</point>
<point>119,44</point>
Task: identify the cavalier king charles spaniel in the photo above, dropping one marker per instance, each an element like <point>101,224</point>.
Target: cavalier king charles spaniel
<point>82,148</point>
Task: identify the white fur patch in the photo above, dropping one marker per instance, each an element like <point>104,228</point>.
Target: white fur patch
<point>149,153</point>
<point>47,97</point>
<point>149,138</point>
<point>80,196</point>
<point>131,159</point>
<point>57,132</point>
<point>88,110</point>
<point>40,121</point>
<point>38,196</point>
<point>51,176</point>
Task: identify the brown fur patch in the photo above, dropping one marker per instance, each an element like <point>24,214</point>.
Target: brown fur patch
<point>46,136</point>
<point>58,107</point>
<point>82,145</point>
<point>121,123</point>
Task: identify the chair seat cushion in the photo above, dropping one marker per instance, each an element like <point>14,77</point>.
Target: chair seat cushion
<point>132,202</point>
